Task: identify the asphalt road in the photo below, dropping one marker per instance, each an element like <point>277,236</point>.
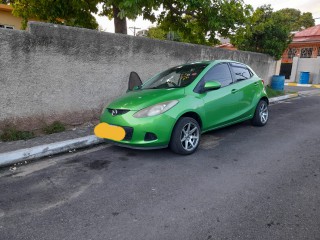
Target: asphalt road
<point>243,183</point>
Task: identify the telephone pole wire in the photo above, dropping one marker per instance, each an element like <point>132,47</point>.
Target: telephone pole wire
<point>134,30</point>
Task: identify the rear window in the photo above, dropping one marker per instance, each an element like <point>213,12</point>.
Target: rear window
<point>241,72</point>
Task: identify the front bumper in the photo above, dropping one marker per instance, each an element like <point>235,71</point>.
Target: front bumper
<point>138,129</point>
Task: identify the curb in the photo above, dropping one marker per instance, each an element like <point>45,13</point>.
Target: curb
<point>302,85</point>
<point>33,153</point>
<point>280,98</point>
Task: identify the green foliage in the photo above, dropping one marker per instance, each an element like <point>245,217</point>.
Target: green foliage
<point>55,127</point>
<point>157,33</point>
<point>12,134</point>
<point>199,21</point>
<point>265,32</point>
<point>273,93</point>
<point>195,21</point>
<point>130,8</point>
<point>120,10</point>
<point>72,12</point>
<point>296,20</point>
<point>269,32</point>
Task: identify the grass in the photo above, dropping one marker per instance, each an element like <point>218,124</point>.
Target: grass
<point>274,93</point>
<point>12,134</point>
<point>55,127</point>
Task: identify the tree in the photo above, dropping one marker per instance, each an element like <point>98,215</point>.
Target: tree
<point>266,32</point>
<point>199,21</point>
<point>157,33</point>
<point>120,10</point>
<point>72,12</point>
<point>296,20</point>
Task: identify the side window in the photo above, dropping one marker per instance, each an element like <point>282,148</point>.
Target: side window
<point>220,73</point>
<point>241,72</point>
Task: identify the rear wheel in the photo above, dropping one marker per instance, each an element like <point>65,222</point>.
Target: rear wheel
<point>185,137</point>
<point>261,114</point>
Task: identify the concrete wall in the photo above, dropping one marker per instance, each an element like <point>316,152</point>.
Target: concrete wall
<point>53,72</point>
<point>311,65</point>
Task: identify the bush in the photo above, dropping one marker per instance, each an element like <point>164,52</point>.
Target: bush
<point>55,127</point>
<point>12,134</point>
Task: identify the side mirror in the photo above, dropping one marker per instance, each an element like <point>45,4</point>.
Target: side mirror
<point>134,81</point>
<point>211,85</point>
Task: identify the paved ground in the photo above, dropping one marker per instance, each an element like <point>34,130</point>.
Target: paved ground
<point>297,89</point>
<point>243,183</point>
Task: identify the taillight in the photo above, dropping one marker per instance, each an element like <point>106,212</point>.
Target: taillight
<point>262,81</point>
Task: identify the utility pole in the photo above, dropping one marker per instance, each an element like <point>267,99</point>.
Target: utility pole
<point>134,30</point>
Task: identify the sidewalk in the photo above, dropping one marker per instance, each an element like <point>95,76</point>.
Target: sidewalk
<point>301,85</point>
<point>47,145</point>
<point>80,137</point>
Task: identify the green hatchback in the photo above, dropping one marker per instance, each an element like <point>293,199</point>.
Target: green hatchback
<point>176,106</point>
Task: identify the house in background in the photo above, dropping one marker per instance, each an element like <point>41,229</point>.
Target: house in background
<point>303,55</point>
<point>7,20</point>
<point>225,44</point>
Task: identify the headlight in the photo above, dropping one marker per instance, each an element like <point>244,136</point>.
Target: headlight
<point>155,109</point>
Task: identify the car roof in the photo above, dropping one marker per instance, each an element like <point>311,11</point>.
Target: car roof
<point>214,61</point>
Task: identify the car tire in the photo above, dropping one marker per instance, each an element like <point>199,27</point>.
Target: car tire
<point>261,114</point>
<point>185,137</point>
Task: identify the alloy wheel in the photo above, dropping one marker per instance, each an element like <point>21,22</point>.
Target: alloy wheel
<point>263,112</point>
<point>189,136</point>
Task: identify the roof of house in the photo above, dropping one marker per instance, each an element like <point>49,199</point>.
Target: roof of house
<point>6,8</point>
<point>228,46</point>
<point>311,34</point>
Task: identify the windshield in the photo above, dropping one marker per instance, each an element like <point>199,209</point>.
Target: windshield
<point>175,77</point>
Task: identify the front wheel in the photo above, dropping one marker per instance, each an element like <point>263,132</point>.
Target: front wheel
<point>185,137</point>
<point>261,114</point>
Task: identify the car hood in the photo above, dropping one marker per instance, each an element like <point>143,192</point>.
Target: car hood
<point>139,99</point>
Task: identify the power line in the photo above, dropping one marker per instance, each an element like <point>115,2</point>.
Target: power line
<point>134,30</point>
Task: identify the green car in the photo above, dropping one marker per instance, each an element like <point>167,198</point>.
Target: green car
<point>176,106</point>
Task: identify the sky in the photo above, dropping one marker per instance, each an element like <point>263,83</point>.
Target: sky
<point>312,6</point>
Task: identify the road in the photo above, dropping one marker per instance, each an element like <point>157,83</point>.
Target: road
<point>244,182</point>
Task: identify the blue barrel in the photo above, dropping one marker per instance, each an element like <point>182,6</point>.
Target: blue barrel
<point>277,82</point>
<point>304,77</point>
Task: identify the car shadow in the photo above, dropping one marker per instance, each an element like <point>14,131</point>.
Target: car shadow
<point>209,140</point>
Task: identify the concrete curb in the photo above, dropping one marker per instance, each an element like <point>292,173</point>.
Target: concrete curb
<point>302,85</point>
<point>47,150</point>
<point>65,146</point>
<point>280,98</point>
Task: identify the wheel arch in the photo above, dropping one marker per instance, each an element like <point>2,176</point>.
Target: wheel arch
<point>193,115</point>
<point>265,99</point>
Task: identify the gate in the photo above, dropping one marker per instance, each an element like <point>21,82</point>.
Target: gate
<point>285,69</point>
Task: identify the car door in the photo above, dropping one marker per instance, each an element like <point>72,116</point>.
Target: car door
<point>220,105</point>
<point>247,86</point>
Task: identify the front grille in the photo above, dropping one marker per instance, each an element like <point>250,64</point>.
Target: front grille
<point>116,112</point>
<point>129,133</point>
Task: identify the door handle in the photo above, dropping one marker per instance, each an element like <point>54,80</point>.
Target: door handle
<point>234,90</point>
<point>256,84</point>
